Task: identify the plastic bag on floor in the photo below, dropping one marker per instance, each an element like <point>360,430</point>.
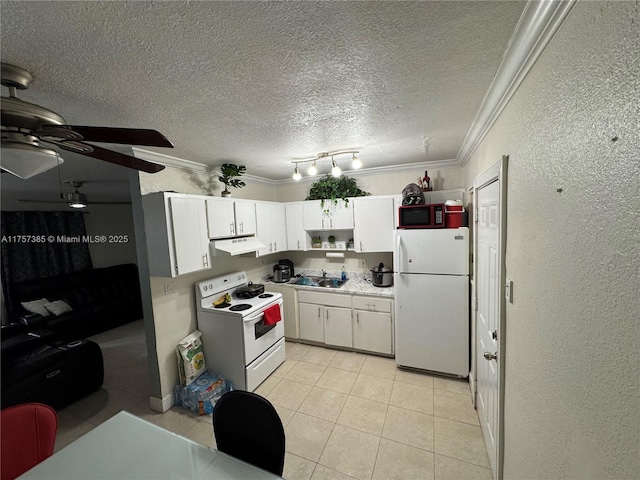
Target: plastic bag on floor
<point>202,394</point>
<point>191,363</point>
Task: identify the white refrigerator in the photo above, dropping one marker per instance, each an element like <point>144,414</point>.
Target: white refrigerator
<point>431,283</point>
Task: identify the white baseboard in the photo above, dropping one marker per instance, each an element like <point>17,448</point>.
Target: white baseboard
<point>161,404</point>
<point>472,386</point>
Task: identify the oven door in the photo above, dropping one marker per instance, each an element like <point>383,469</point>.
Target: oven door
<point>258,337</point>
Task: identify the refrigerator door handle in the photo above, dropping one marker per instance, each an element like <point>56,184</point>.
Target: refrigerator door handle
<point>399,250</point>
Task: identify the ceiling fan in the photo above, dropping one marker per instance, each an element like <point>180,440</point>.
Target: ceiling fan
<point>25,125</point>
<point>75,199</point>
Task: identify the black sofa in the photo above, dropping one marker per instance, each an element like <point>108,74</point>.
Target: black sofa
<point>101,299</point>
<point>38,368</point>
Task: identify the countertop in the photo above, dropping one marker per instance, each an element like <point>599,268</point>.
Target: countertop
<point>358,283</point>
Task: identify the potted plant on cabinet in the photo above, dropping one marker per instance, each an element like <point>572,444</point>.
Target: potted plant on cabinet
<point>331,188</point>
<point>316,241</point>
<point>227,172</point>
<point>332,241</point>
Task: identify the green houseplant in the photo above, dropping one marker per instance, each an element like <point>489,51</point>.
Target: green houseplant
<point>332,188</point>
<point>227,172</point>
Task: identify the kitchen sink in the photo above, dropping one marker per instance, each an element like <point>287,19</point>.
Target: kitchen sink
<point>330,283</point>
<point>325,282</point>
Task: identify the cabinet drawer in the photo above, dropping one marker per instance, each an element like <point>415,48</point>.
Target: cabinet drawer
<point>375,304</point>
<point>331,299</point>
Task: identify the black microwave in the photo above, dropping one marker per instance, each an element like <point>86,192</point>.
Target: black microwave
<point>421,216</point>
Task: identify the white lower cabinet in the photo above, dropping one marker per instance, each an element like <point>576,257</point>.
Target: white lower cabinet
<point>359,322</point>
<point>311,321</point>
<point>290,307</point>
<point>372,331</point>
<point>373,324</point>
<point>337,326</point>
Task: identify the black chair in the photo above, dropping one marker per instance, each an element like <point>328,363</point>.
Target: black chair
<point>246,426</point>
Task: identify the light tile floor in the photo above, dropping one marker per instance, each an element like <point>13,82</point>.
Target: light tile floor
<point>346,415</point>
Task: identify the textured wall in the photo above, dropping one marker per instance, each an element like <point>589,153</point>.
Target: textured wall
<point>572,389</point>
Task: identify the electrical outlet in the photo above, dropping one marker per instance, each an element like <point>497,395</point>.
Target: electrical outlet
<point>169,288</point>
<point>362,263</point>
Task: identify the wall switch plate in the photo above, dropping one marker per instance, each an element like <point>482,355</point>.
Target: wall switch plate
<point>508,290</point>
<point>169,288</point>
<point>362,263</point>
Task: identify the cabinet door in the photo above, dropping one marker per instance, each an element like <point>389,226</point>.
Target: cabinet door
<point>337,326</point>
<point>313,216</point>
<point>373,224</point>
<point>373,331</point>
<point>245,217</point>
<point>311,322</point>
<point>341,216</point>
<point>290,307</point>
<point>296,236</point>
<point>220,217</point>
<point>278,228</point>
<point>271,227</point>
<point>190,240</point>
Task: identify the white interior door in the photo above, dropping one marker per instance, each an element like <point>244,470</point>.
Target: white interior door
<point>488,283</point>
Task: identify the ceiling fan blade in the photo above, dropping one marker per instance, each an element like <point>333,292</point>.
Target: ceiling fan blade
<point>33,200</point>
<point>127,136</point>
<point>112,157</point>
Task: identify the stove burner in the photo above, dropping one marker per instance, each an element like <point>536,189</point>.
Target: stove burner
<point>265,295</point>
<point>222,305</point>
<point>239,307</point>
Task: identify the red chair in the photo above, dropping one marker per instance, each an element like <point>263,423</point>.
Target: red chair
<point>28,433</point>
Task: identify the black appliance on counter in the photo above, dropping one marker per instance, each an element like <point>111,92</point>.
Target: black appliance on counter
<point>289,264</point>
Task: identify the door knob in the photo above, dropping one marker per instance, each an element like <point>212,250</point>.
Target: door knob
<point>490,356</point>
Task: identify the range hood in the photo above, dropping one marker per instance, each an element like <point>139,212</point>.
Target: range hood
<point>236,245</point>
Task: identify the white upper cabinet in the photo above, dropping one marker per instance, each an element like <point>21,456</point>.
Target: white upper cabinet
<point>245,214</point>
<point>329,216</point>
<point>176,233</point>
<point>296,235</point>
<point>229,218</point>
<point>271,227</point>
<point>374,221</point>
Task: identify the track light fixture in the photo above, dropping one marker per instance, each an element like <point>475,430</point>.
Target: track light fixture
<point>336,171</point>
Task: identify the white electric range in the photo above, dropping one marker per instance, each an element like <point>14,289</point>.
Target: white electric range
<point>237,343</point>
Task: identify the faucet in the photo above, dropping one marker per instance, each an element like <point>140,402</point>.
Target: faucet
<point>324,274</point>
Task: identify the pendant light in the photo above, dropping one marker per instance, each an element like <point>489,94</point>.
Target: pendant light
<point>313,169</point>
<point>296,174</point>
<point>355,162</point>
<point>336,171</point>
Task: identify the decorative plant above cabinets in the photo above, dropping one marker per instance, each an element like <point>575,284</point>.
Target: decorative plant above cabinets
<point>332,188</point>
<point>227,172</point>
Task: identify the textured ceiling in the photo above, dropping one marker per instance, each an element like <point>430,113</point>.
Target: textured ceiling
<point>263,83</point>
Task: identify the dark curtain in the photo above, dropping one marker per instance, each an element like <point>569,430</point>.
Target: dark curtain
<point>33,246</point>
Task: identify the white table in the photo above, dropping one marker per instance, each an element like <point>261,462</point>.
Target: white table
<point>128,447</point>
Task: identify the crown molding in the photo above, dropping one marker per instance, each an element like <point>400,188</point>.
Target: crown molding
<point>539,22</point>
<point>168,160</point>
<point>363,172</point>
<point>188,165</point>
